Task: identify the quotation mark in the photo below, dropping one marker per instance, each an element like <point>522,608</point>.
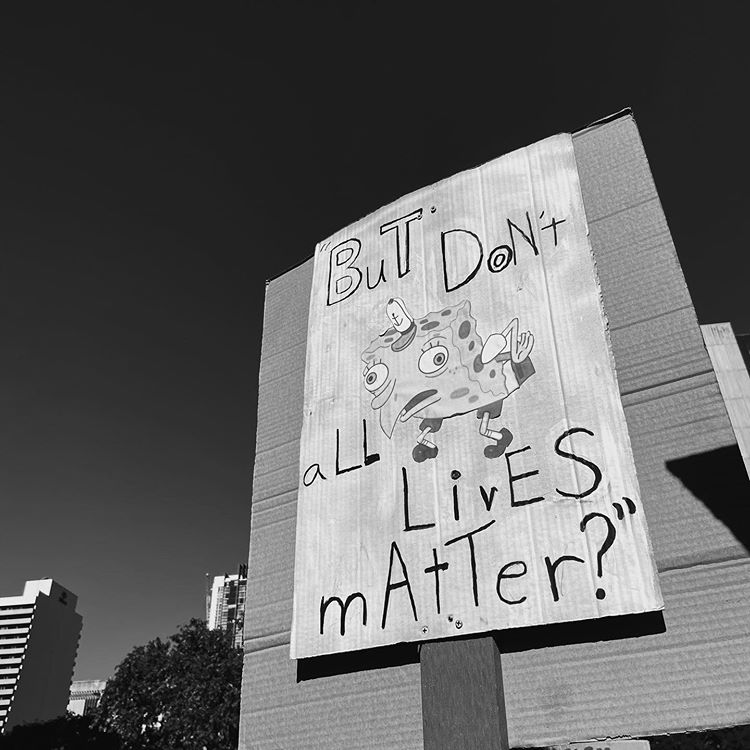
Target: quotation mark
<point>620,512</point>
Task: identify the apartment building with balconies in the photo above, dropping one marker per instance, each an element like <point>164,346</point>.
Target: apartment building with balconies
<point>39,633</point>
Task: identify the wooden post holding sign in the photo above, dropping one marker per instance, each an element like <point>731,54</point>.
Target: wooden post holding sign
<point>463,704</point>
<point>465,465</point>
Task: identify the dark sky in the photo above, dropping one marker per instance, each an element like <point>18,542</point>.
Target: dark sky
<point>158,167</point>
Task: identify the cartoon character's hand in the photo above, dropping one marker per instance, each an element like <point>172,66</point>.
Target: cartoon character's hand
<point>523,347</point>
<point>521,344</point>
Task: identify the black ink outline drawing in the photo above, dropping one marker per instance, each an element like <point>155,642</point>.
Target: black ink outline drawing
<point>439,367</point>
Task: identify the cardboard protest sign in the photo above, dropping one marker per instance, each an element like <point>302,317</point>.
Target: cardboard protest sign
<point>465,463</point>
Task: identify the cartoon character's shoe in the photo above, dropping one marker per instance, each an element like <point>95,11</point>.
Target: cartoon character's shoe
<point>497,450</point>
<point>422,452</point>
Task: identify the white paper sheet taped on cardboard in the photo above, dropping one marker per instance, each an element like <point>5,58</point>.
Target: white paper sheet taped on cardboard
<point>464,463</point>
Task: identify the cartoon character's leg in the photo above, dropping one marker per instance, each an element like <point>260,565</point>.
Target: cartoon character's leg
<point>502,438</point>
<point>425,448</point>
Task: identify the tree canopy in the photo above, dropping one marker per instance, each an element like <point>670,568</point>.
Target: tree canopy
<point>182,693</point>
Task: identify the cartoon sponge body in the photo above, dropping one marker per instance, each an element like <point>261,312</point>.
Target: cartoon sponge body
<point>438,367</point>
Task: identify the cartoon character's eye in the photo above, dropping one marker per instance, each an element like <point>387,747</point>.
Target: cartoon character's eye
<point>434,359</point>
<point>376,376</point>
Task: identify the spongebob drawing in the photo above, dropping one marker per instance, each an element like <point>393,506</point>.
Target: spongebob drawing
<point>437,367</point>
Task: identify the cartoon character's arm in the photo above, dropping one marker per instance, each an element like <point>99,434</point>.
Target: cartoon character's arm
<point>520,346</point>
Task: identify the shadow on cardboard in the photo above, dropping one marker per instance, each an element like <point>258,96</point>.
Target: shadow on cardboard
<point>580,631</point>
<point>718,479</point>
<point>508,641</point>
<point>357,661</point>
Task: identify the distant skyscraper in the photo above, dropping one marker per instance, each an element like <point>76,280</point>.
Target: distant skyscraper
<point>85,696</point>
<point>225,603</point>
<point>39,633</point>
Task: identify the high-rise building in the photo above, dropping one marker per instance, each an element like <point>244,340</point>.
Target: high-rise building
<point>225,603</point>
<point>39,633</point>
<point>85,696</point>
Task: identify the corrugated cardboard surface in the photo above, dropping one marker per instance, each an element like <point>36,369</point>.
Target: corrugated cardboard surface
<point>360,371</point>
<point>694,675</point>
<point>372,709</point>
<point>734,381</point>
